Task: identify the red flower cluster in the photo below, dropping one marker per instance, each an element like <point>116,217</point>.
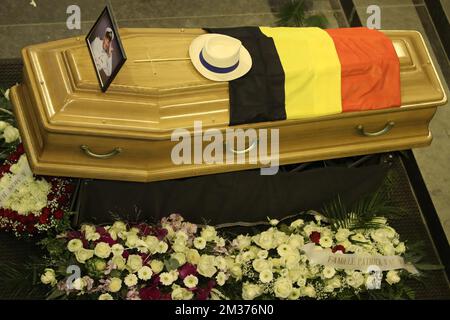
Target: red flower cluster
<point>57,203</point>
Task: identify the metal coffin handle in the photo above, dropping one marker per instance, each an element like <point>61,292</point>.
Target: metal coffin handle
<point>386,129</point>
<point>108,155</point>
<point>250,147</point>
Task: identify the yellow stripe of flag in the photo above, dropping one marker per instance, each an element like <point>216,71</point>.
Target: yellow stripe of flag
<point>312,71</point>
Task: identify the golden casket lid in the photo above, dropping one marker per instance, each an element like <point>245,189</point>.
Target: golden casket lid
<point>149,100</point>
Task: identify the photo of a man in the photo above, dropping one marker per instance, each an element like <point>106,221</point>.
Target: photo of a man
<point>106,49</point>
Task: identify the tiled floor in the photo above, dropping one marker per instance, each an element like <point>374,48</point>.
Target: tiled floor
<point>22,24</point>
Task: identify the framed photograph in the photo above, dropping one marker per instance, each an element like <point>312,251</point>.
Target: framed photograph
<point>106,49</point>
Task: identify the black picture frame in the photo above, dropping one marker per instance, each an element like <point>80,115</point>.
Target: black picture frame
<point>119,52</point>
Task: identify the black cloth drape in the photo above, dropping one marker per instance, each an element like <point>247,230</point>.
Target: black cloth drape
<point>258,96</point>
<point>226,198</point>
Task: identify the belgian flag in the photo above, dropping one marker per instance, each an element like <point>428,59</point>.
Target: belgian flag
<point>309,72</point>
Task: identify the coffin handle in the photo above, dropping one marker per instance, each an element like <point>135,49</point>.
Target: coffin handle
<point>250,147</point>
<point>386,129</point>
<point>108,155</point>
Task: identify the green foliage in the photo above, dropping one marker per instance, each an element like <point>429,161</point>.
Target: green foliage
<point>293,14</point>
<point>6,115</point>
<point>364,213</point>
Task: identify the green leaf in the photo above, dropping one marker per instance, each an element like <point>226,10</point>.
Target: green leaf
<point>171,264</point>
<point>429,267</point>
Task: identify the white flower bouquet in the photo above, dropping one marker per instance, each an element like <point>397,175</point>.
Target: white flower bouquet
<point>180,260</point>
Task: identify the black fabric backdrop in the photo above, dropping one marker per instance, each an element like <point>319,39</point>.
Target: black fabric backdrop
<point>225,198</point>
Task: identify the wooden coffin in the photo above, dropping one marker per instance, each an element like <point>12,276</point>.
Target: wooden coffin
<point>70,128</point>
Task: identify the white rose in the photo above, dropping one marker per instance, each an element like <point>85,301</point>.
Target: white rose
<point>130,280</point>
<point>242,242</point>
<point>48,277</point>
<point>262,254</point>
<point>84,254</point>
<point>78,284</point>
<point>132,238</point>
<point>3,125</point>
<point>117,249</point>
<point>296,241</point>
<point>157,266</point>
<point>102,250</point>
<point>392,277</point>
<point>297,223</point>
<point>251,291</point>
<point>115,284</point>
<point>342,234</point>
<point>74,245</point>
<point>180,257</point>
<point>282,288</point>
<point>388,249</point>
<point>10,134</point>
<point>119,261</point>
<point>208,233</point>
<point>206,266</point>
<point>355,280</point>
<point>134,262</point>
<point>152,243</point>
<point>181,294</point>
<point>221,263</point>
<point>145,273</point>
<point>179,247</point>
<point>192,256</point>
<point>265,240</point>
<point>295,294</point>
<point>266,276</point>
<point>261,265</point>
<point>308,291</point>
<point>190,281</point>
<point>105,296</point>
<point>328,272</point>
<point>119,226</point>
<point>200,243</point>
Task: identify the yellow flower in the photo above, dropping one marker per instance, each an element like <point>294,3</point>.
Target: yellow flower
<point>115,284</point>
<point>145,273</point>
<point>190,281</point>
<point>282,288</point>
<point>74,245</point>
<point>266,276</point>
<point>134,262</point>
<point>131,280</point>
<point>102,250</point>
<point>206,266</point>
<point>157,266</point>
<point>84,254</point>
<point>105,296</point>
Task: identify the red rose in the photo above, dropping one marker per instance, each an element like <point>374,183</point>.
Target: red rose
<point>5,168</point>
<point>58,214</point>
<point>20,149</point>
<point>315,237</point>
<point>338,248</point>
<point>150,293</point>
<point>43,218</point>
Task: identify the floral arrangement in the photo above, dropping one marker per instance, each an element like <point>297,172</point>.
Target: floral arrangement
<point>179,260</point>
<point>29,204</point>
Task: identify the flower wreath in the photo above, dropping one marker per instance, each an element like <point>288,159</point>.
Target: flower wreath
<point>37,203</point>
